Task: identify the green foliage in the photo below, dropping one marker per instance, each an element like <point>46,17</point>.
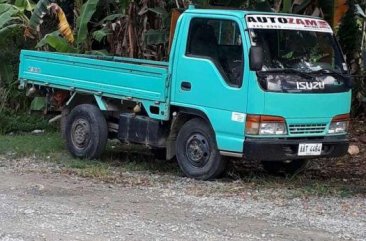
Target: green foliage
<point>110,18</point>
<point>21,122</point>
<point>87,11</point>
<point>25,144</point>
<point>24,5</point>
<point>13,20</point>
<point>349,32</point>
<point>39,12</point>
<point>124,5</point>
<point>100,34</point>
<point>10,17</point>
<point>153,37</point>
<point>57,42</point>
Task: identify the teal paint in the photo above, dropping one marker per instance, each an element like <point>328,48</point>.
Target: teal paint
<point>101,104</point>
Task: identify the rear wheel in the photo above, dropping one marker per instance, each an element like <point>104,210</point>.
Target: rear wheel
<point>197,152</point>
<point>285,167</point>
<point>86,132</point>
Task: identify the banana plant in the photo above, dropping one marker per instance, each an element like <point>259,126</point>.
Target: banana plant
<point>63,40</point>
<point>41,10</point>
<point>13,19</point>
<point>87,11</point>
<point>11,16</point>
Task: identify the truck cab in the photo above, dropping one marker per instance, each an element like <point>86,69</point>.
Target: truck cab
<point>275,88</point>
<point>250,85</point>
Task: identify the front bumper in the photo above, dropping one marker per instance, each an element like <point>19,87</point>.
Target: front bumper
<point>278,149</point>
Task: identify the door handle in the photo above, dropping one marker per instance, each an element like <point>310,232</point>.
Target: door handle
<point>186,86</point>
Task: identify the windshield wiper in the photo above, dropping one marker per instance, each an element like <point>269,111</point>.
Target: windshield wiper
<point>347,78</point>
<point>330,72</point>
<point>286,71</point>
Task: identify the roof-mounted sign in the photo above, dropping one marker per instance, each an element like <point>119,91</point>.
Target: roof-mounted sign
<point>288,23</point>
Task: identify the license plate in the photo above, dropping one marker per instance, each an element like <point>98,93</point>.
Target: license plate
<point>310,149</point>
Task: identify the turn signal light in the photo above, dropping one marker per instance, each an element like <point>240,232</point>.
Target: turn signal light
<point>265,125</point>
<point>339,124</point>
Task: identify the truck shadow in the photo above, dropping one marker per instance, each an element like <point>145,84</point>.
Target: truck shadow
<point>342,176</point>
<point>137,158</point>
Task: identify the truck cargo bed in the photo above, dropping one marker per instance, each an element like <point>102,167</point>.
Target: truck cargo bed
<point>103,75</point>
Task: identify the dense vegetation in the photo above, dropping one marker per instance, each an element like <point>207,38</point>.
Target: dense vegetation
<point>124,28</point>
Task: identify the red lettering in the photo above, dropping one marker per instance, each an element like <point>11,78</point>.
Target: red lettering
<point>299,21</point>
<point>323,23</point>
<point>310,22</point>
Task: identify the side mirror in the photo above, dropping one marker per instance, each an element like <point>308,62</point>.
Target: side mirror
<point>256,58</point>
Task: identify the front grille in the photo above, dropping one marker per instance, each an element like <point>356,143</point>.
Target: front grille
<point>297,129</point>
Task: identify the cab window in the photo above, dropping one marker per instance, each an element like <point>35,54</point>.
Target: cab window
<point>219,41</point>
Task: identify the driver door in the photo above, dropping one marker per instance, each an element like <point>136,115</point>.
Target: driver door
<point>210,76</point>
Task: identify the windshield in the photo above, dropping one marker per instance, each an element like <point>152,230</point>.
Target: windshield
<point>305,51</point>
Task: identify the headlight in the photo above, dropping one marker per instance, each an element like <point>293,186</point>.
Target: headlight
<point>272,129</point>
<point>265,125</point>
<point>339,124</point>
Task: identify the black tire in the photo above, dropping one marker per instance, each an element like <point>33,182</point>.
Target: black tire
<point>159,153</point>
<point>86,132</point>
<point>197,152</point>
<point>283,167</point>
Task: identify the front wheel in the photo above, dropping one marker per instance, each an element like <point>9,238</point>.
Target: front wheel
<point>86,132</point>
<point>284,167</point>
<point>197,152</point>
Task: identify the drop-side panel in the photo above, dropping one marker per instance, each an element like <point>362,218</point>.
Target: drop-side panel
<point>136,79</point>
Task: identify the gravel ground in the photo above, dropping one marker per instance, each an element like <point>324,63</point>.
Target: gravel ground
<point>39,202</point>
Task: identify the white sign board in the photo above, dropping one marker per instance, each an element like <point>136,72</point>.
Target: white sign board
<point>287,23</point>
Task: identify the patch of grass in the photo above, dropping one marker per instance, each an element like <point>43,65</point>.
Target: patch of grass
<point>22,122</point>
<point>331,187</point>
<point>78,164</point>
<point>27,144</point>
<point>117,157</point>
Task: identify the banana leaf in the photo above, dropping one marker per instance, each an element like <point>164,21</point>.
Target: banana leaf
<point>63,26</point>
<point>25,5</point>
<point>8,28</point>
<point>160,11</point>
<point>100,34</point>
<point>286,6</point>
<point>58,43</point>
<point>39,12</point>
<point>38,104</point>
<point>302,6</point>
<point>87,11</point>
<point>7,17</point>
<point>110,18</point>
<point>5,7</point>
<point>124,5</point>
<point>153,37</point>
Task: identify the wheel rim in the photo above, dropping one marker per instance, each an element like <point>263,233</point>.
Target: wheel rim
<point>198,150</point>
<point>80,133</point>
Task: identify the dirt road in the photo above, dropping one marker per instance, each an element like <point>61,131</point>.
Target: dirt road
<point>47,205</point>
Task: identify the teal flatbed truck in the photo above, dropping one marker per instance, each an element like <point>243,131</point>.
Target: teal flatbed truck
<point>251,85</point>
